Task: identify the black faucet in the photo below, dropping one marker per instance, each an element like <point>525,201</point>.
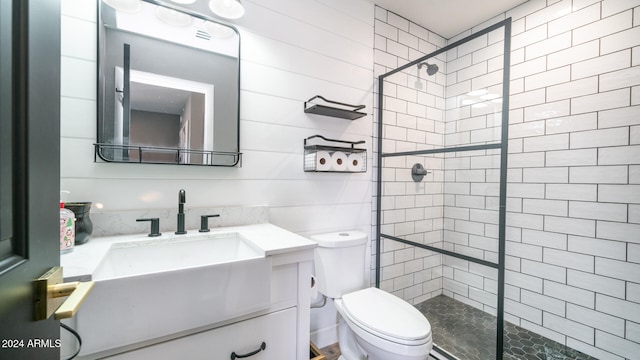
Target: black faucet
<point>181,201</point>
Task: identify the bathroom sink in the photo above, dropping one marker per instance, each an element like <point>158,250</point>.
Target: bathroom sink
<point>150,289</point>
<point>156,256</point>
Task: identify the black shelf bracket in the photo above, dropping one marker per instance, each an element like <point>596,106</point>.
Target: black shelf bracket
<point>352,143</point>
<point>351,113</point>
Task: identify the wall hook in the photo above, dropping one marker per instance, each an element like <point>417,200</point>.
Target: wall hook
<point>418,172</point>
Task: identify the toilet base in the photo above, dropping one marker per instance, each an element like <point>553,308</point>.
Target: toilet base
<point>354,348</point>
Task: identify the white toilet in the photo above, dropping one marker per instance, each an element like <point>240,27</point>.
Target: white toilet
<point>373,324</point>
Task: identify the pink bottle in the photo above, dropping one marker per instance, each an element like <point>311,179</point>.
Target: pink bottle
<point>67,230</point>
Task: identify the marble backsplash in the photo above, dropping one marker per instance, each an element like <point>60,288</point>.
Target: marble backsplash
<point>124,222</point>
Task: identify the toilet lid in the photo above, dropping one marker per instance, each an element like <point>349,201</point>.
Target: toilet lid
<point>386,314</point>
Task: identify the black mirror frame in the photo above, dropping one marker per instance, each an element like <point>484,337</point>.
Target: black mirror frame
<point>234,156</point>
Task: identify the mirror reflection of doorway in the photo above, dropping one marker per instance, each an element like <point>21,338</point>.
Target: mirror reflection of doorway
<point>169,113</point>
<point>144,43</point>
<point>184,142</point>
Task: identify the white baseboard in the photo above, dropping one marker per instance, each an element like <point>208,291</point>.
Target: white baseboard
<point>325,336</point>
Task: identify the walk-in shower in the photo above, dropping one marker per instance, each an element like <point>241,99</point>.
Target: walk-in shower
<point>447,230</point>
<point>442,196</point>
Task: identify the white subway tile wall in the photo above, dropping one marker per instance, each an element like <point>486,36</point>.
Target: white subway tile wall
<point>573,207</point>
<point>414,104</point>
<point>463,216</point>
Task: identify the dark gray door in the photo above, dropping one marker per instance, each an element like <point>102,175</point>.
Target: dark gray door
<point>29,171</point>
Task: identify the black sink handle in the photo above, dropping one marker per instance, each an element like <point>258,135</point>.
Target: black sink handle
<point>155,226</point>
<point>204,222</point>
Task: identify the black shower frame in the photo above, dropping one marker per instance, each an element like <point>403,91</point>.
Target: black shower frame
<point>503,146</point>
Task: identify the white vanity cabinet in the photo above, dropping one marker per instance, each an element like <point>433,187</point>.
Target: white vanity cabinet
<point>276,326</point>
<point>277,331</point>
<point>143,317</point>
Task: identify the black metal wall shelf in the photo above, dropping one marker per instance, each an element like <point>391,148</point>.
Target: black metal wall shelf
<point>330,158</point>
<point>352,113</point>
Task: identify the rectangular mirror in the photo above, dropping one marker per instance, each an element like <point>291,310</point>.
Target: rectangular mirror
<point>169,85</point>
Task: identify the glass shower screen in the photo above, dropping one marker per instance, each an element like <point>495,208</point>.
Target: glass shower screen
<point>442,190</point>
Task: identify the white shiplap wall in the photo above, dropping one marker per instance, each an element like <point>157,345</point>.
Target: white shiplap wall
<point>291,50</point>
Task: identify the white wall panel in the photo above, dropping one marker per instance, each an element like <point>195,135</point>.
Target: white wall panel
<point>291,51</point>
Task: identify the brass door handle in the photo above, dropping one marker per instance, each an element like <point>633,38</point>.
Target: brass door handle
<point>70,306</point>
<point>50,294</point>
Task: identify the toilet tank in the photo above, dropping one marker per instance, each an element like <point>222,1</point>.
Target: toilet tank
<point>339,262</point>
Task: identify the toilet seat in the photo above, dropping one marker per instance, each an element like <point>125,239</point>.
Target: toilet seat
<point>386,316</point>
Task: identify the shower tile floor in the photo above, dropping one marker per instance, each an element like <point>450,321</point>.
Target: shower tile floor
<point>470,334</point>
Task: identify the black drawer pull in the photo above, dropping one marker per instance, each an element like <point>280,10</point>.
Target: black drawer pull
<point>235,356</point>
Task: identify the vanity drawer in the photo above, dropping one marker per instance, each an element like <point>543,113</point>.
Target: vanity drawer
<point>277,330</point>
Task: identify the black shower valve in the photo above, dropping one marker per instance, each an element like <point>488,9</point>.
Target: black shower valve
<point>418,172</point>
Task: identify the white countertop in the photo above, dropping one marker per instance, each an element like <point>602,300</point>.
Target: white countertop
<point>81,263</point>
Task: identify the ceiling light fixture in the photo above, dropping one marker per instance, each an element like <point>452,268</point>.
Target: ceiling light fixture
<point>228,9</point>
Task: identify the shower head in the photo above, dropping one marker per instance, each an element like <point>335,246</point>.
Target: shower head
<point>431,68</point>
